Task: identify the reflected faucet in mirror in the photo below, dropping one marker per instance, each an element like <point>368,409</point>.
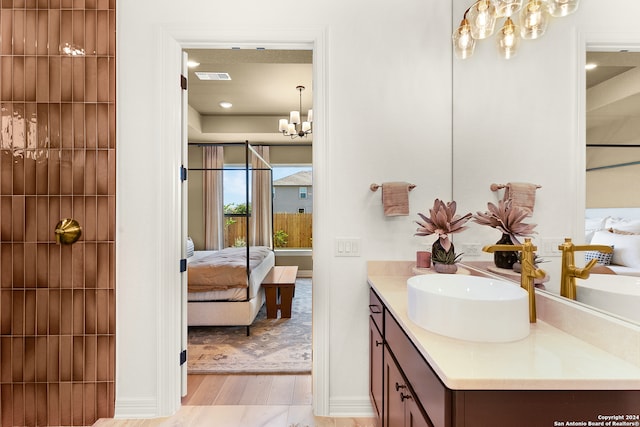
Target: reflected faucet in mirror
<point>570,271</point>
<point>529,271</point>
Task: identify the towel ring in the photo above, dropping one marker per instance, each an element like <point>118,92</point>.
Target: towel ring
<point>496,187</point>
<point>374,187</point>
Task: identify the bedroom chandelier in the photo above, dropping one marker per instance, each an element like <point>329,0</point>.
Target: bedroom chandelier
<point>294,126</point>
<point>479,23</point>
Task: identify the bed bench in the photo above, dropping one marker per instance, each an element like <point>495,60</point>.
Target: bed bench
<point>279,286</point>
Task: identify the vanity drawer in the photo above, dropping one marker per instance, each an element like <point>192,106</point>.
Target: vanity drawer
<point>376,309</point>
<point>434,397</point>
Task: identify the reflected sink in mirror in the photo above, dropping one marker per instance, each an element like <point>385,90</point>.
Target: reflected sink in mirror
<point>619,295</point>
<point>468,307</point>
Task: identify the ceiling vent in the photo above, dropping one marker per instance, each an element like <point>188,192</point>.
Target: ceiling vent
<point>210,75</point>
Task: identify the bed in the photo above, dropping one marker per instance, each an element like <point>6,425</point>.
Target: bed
<point>224,285</point>
<point>620,229</point>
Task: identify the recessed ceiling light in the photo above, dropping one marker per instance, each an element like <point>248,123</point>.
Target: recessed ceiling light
<point>225,104</point>
<point>212,75</point>
<point>192,64</point>
<point>590,66</point>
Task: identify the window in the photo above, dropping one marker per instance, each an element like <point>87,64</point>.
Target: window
<point>301,210</point>
<point>302,192</point>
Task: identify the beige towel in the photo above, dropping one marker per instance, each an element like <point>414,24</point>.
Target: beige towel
<point>522,194</point>
<point>395,198</point>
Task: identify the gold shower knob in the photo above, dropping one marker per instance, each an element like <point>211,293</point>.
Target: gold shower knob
<point>68,231</point>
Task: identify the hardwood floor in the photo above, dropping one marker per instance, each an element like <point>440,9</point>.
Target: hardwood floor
<point>245,401</point>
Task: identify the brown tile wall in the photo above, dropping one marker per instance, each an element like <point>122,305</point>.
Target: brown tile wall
<point>57,160</point>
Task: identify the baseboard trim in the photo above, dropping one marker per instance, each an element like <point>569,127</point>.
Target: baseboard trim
<point>136,408</point>
<point>351,407</point>
<point>305,273</point>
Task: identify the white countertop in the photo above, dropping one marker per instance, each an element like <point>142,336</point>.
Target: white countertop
<point>548,359</point>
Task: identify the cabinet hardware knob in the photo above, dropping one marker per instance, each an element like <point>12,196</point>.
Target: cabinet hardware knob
<point>378,343</point>
<point>399,386</point>
<point>405,396</point>
<point>67,231</point>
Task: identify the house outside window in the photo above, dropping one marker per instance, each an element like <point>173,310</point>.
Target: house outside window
<point>302,192</point>
<point>292,207</point>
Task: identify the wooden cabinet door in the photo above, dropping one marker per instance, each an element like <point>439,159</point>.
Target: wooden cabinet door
<point>376,349</point>
<point>413,414</point>
<point>393,385</point>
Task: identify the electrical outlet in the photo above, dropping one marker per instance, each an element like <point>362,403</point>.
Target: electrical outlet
<point>549,246</point>
<point>471,249</point>
<point>347,247</point>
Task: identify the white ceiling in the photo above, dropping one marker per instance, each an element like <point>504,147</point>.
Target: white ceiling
<point>262,90</point>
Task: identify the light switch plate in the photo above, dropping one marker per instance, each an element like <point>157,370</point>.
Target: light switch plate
<point>347,247</point>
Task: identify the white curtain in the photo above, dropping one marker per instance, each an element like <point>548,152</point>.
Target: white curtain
<point>213,198</point>
<point>261,199</point>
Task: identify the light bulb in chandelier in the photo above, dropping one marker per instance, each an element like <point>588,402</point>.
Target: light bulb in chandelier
<point>534,19</point>
<point>482,18</point>
<point>463,42</point>
<point>295,127</point>
<point>559,8</point>
<point>508,39</point>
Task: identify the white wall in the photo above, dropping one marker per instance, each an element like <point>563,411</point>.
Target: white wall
<point>387,95</point>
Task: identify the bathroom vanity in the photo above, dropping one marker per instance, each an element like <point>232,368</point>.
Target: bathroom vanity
<point>550,378</point>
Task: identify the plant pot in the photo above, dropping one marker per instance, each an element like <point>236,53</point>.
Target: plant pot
<point>445,268</point>
<point>505,259</point>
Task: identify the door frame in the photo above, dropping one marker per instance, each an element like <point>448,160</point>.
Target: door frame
<point>172,41</point>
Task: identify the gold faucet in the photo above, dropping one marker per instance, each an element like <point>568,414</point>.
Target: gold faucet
<point>570,271</point>
<point>529,271</point>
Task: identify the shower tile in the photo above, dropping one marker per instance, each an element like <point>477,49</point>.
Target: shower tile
<point>112,269</point>
<point>29,168</point>
<point>66,313</point>
<point>77,404</point>
<point>112,72</point>
<point>102,360</point>
<point>90,410</point>
<point>66,171</point>
<point>41,404</point>
<point>66,267</point>
<point>90,4</point>
<point>112,313</point>
<point>90,220</point>
<point>54,266</point>
<point>91,125</point>
<point>18,404</point>
<point>90,24</point>
<point>17,324</point>
<point>30,78</point>
<point>104,4</point>
<point>18,31</point>
<point>42,274</point>
<point>91,313</point>
<point>103,79</point>
<point>66,209</point>
<point>66,397</point>
<point>6,400</point>
<point>42,172</point>
<point>66,125</point>
<point>66,361</point>
<point>6,172</point>
<point>54,31</point>
<point>29,362</point>
<point>6,70</point>
<point>42,79</point>
<point>55,79</point>
<point>103,218</point>
<point>30,257</point>
<point>42,32</point>
<point>90,358</point>
<point>90,173</point>
<point>78,80</point>
<point>53,405</point>
<point>31,126</point>
<point>6,32</point>
<point>102,37</point>
<point>66,26</point>
<point>78,314</point>
<point>55,125</point>
<point>18,172</point>
<point>42,314</point>
<point>77,251</point>
<point>6,306</point>
<point>90,267</point>
<point>18,79</point>
<point>78,358</point>
<point>31,32</point>
<point>18,216</point>
<point>6,265</point>
<point>102,400</point>
<point>54,312</point>
<point>30,220</point>
<point>5,352</point>
<point>41,359</point>
<point>112,218</point>
<point>78,26</point>
<point>102,312</point>
<point>53,359</point>
<point>42,129</point>
<point>6,215</point>
<point>112,172</point>
<point>17,358</point>
<point>30,312</point>
<point>29,404</point>
<point>112,31</point>
<point>66,80</point>
<point>79,214</point>
<point>78,172</point>
<point>103,268</point>
<point>54,172</point>
<point>18,265</point>
<point>102,172</point>
<point>103,125</point>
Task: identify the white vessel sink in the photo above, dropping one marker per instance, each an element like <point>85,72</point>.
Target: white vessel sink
<point>468,307</point>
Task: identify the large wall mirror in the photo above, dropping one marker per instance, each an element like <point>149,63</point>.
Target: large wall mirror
<point>612,160</point>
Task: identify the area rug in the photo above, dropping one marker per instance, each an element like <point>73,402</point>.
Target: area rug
<point>275,345</point>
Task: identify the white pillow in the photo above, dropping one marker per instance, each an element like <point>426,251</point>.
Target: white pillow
<point>190,247</point>
<point>626,247</point>
<point>591,225</point>
<point>628,226</point>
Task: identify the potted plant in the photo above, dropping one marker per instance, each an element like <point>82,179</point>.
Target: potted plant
<point>445,262</point>
<point>442,221</point>
<point>509,220</point>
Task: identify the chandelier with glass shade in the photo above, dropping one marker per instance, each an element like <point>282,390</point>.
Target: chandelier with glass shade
<point>294,127</point>
<point>523,19</point>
